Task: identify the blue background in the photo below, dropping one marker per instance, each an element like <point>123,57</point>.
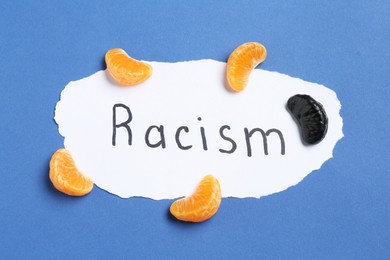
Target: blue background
<point>339,212</point>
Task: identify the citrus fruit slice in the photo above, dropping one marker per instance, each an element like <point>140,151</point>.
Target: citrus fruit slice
<point>241,62</point>
<point>310,116</point>
<point>126,70</point>
<point>66,177</point>
<point>202,204</point>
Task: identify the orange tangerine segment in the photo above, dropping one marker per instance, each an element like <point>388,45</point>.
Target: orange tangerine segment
<point>66,177</point>
<point>241,62</point>
<point>202,204</point>
<point>126,70</point>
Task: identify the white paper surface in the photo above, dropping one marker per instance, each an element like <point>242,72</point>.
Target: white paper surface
<point>176,95</point>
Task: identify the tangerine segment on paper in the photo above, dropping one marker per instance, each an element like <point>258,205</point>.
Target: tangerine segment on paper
<point>66,177</point>
<point>241,62</point>
<point>202,204</point>
<point>126,70</point>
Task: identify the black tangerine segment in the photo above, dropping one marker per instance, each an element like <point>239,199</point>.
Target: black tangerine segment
<point>311,117</point>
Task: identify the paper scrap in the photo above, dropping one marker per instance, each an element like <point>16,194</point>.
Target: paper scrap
<point>158,139</point>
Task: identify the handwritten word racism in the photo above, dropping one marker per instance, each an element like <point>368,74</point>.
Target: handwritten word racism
<point>182,130</point>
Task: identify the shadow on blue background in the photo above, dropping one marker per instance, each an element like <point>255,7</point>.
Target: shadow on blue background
<point>338,212</point>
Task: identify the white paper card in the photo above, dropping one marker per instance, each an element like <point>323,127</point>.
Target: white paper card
<point>183,124</point>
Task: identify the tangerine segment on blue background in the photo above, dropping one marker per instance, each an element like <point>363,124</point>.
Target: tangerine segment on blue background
<point>339,212</point>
